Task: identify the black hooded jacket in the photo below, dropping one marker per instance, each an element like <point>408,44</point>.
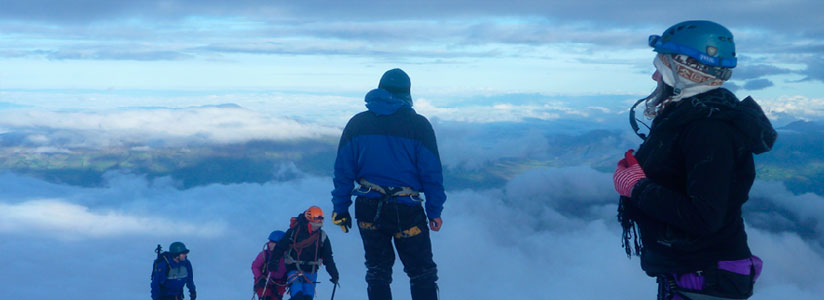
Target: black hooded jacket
<point>698,160</point>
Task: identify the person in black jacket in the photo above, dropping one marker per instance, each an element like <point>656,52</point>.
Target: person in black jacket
<point>682,192</point>
<point>304,248</point>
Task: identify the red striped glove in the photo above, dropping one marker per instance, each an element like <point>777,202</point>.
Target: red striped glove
<point>627,174</point>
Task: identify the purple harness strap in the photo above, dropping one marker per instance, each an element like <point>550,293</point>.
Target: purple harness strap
<point>695,281</point>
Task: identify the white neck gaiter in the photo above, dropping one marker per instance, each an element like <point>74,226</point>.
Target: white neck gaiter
<point>315,225</point>
<point>684,85</point>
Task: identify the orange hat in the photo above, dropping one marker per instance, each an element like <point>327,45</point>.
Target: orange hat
<point>314,214</point>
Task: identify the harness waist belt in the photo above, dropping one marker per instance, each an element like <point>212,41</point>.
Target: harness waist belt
<point>393,191</point>
<point>401,195</point>
<point>289,260</point>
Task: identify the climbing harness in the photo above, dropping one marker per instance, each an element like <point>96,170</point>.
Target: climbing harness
<point>389,193</point>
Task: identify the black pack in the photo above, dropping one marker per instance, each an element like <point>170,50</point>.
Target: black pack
<point>161,256</point>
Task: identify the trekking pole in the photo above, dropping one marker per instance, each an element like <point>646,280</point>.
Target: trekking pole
<point>334,287</point>
<point>266,285</point>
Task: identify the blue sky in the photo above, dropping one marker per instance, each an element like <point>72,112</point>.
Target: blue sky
<point>455,49</point>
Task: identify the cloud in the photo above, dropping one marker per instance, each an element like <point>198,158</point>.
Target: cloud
<point>786,15</point>
<point>746,72</point>
<point>114,54</point>
<point>255,44</point>
<point>732,86</point>
<point>559,219</point>
<point>772,207</point>
<point>758,84</point>
<point>543,108</point>
<point>117,123</point>
<point>341,48</point>
<point>798,107</point>
<point>464,146</point>
<point>63,220</point>
<point>815,68</point>
<point>154,127</point>
<point>442,30</point>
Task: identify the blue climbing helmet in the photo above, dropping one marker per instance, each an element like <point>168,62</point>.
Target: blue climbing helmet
<point>177,248</point>
<point>276,235</point>
<point>707,42</point>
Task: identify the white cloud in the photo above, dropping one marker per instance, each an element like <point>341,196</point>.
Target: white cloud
<point>793,268</point>
<point>801,107</point>
<point>156,127</point>
<point>549,232</point>
<point>463,147</point>
<point>504,112</point>
<point>62,220</point>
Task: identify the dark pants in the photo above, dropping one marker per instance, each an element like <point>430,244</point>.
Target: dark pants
<point>272,297</point>
<point>406,225</point>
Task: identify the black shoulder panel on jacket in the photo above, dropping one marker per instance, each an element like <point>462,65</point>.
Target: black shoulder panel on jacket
<point>405,123</point>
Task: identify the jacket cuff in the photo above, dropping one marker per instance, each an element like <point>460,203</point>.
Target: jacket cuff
<point>341,205</point>
<point>637,190</point>
<point>432,214</point>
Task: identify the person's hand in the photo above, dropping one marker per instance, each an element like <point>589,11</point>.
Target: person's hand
<point>334,277</point>
<point>627,174</point>
<point>344,220</point>
<point>192,295</point>
<point>260,283</point>
<point>435,224</point>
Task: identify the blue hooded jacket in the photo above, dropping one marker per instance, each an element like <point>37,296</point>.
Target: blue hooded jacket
<point>389,145</point>
<point>171,276</point>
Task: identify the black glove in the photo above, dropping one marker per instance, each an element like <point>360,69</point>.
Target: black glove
<point>344,220</point>
<point>260,283</point>
<point>333,273</point>
<point>192,295</point>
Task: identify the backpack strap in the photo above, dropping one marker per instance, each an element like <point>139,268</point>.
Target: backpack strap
<point>168,264</point>
<point>317,239</point>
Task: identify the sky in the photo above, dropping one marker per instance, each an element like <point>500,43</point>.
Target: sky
<point>104,53</point>
<point>96,74</point>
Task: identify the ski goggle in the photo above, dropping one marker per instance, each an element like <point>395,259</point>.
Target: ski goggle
<point>656,42</point>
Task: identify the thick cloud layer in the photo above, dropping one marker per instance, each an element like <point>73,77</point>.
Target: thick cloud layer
<point>549,233</point>
<point>158,127</point>
<point>72,221</point>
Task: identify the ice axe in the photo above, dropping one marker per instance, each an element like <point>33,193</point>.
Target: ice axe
<point>266,285</point>
<point>334,287</point>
